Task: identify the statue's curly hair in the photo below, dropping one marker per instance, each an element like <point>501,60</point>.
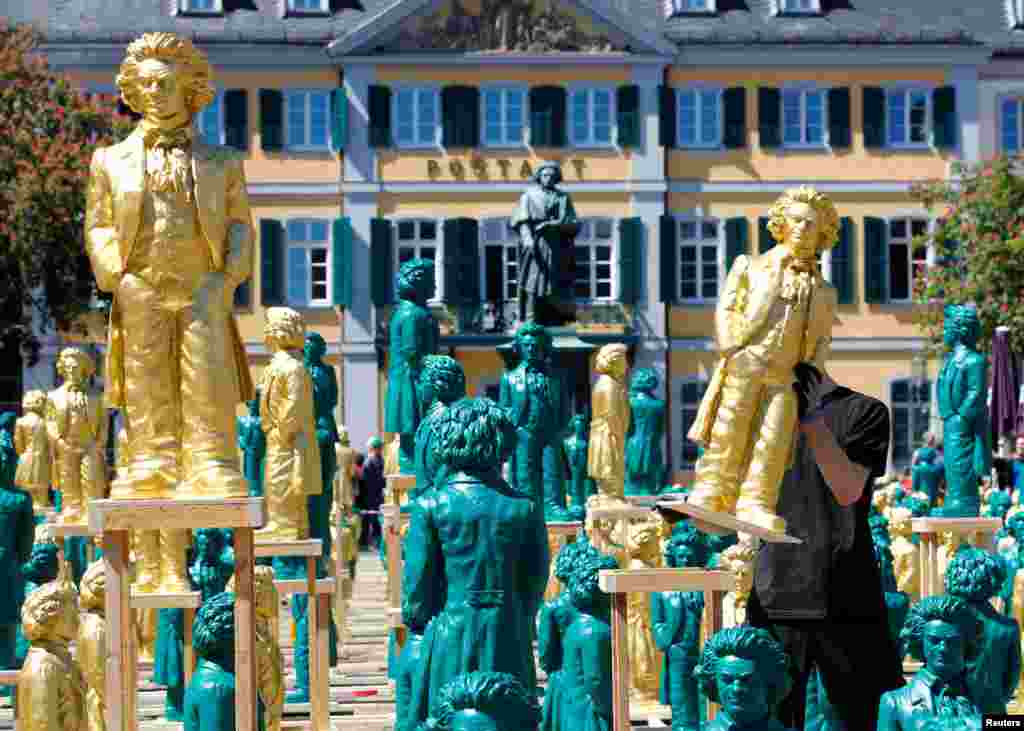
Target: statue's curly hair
<point>749,643</point>
<point>445,377</point>
<point>474,435</point>
<point>216,536</point>
<point>940,608</point>
<point>963,320</point>
<point>689,543</point>
<point>974,575</point>
<point>317,341</point>
<point>644,380</point>
<point>1015,524</point>
<point>410,274</point>
<point>285,327</point>
<point>75,354</point>
<point>263,589</point>
<point>44,605</point>
<point>583,589</point>
<point>34,400</point>
<point>500,696</point>
<point>828,217</point>
<point>534,330</point>
<point>607,355</point>
<point>567,556</point>
<point>92,590</point>
<point>213,633</point>
<point>44,563</point>
<point>189,61</point>
<point>548,165</point>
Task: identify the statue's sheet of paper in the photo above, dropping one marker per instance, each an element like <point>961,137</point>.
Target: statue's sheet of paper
<point>725,520</point>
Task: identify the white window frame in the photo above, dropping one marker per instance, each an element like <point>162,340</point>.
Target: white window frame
<point>188,6</point>
<point>1018,101</point>
<point>906,90</point>
<point>503,90</point>
<point>699,221</point>
<point>698,90</point>
<point>613,263</point>
<point>218,104</point>
<point>510,246</point>
<point>908,405</point>
<point>323,7</point>
<point>308,247</point>
<point>684,7</point>
<point>694,406</point>
<point>416,89</point>
<point>803,91</point>
<point>929,256</point>
<point>590,142</point>
<point>1015,12</point>
<point>786,6</point>
<point>437,243</point>
<point>308,120</point>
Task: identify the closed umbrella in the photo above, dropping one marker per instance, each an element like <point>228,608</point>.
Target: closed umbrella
<point>1005,389</point>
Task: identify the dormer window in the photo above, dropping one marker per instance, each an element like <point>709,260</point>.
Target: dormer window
<point>688,7</point>
<point>201,7</point>
<point>1015,9</point>
<point>308,7</point>
<point>799,7</point>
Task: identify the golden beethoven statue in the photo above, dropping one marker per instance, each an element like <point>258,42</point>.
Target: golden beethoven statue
<point>92,644</point>
<point>32,444</point>
<point>775,311</point>
<point>170,234</point>
<point>269,660</point>
<point>609,422</point>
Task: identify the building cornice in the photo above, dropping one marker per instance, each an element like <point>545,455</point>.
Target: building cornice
<point>831,55</point>
<point>223,56</point>
<point>839,345</point>
<point>510,59</point>
<point>779,186</point>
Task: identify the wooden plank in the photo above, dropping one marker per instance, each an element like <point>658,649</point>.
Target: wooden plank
<point>565,528</point>
<point>620,663</point>
<point>301,586</point>
<point>650,500</point>
<point>321,648</point>
<point>618,513</point>
<point>728,521</point>
<point>121,657</point>
<point>395,617</point>
<point>9,677</point>
<point>317,676</point>
<point>245,629</point>
<point>955,525</point>
<point>107,515</point>
<point>69,530</point>
<point>188,654</point>
<point>185,600</point>
<point>311,547</point>
<point>647,580</point>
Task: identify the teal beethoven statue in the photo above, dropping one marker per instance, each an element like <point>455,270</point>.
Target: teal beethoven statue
<point>17,534</point>
<point>442,383</point>
<point>645,461</point>
<point>587,665</point>
<point>41,569</point>
<point>483,701</point>
<point>745,671</point>
<point>897,603</point>
<point>476,559</point>
<point>414,333</point>
<point>574,449</point>
<point>992,673</point>
<point>210,698</point>
<point>962,389</point>
<point>940,631</point>
<point>675,623</point>
<point>252,443</point>
<point>536,403</point>
<point>926,474</point>
<point>325,401</point>
<point>553,622</point>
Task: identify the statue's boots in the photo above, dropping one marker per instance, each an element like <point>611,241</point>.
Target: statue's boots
<point>146,544</point>
<point>173,562</point>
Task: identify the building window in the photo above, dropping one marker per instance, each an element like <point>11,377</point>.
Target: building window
<point>680,7</point>
<point>689,399</point>
<point>699,117</point>
<point>699,259</point>
<point>592,115</point>
<point>803,117</point>
<point>504,115</point>
<point>200,6</point>
<point>1011,128</point>
<point>308,6</point>
<point>908,117</point>
<point>417,239</point>
<point>500,261</point>
<point>210,121</point>
<point>910,400</point>
<point>417,115</point>
<point>907,257</point>
<point>1016,10</point>
<point>799,6</point>
<point>309,262</point>
<point>594,252</point>
<point>308,115</point>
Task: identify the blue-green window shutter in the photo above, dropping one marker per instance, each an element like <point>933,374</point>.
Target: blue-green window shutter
<point>547,116</point>
<point>734,117</point>
<point>876,261</point>
<point>737,235</point>
<point>271,119</point>
<point>339,118</point>
<point>944,114</point>
<point>341,261</point>
<point>243,294</point>
<point>666,116</point>
<point>842,262</point>
<point>236,118</point>
<point>627,111</point>
<point>631,231</point>
<point>765,240</point>
<point>382,275</point>
<point>668,238</point>
<point>461,261</point>
<point>271,262</point>
<point>769,116</point>
<point>873,113</point>
<point>839,117</point>
<point>460,116</point>
<point>379,112</point>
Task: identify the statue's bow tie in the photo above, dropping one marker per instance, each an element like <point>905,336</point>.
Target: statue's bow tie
<point>169,139</point>
<point>801,266</point>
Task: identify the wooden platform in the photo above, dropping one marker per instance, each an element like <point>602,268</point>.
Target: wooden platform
<point>930,529</point>
<point>727,521</point>
<point>243,512</point>
<point>312,547</point>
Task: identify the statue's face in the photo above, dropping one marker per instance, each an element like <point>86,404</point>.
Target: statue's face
<point>473,720</point>
<point>617,367</point>
<point>950,332</point>
<point>426,392</point>
<point>547,178</point>
<point>204,545</point>
<point>943,649</point>
<point>743,694</point>
<point>802,230</point>
<point>162,93</point>
<point>66,627</point>
<point>531,349</point>
<point>73,369</point>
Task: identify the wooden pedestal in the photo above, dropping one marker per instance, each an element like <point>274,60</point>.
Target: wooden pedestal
<point>63,531</point>
<point>930,529</point>
<point>190,602</point>
<point>317,622</point>
<point>392,522</point>
<point>114,519</point>
<point>714,584</point>
<point>559,533</point>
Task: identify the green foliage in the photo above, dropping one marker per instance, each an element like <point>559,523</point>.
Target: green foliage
<point>979,247</point>
<point>48,131</point>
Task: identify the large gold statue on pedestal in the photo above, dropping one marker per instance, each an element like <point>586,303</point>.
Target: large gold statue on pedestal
<point>51,690</point>
<point>92,644</point>
<point>774,312</point>
<point>169,233</point>
<point>77,425</point>
<point>32,444</point>
<point>609,422</point>
<point>291,467</point>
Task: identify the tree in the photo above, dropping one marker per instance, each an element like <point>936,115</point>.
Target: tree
<point>48,131</point>
<point>979,249</point>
